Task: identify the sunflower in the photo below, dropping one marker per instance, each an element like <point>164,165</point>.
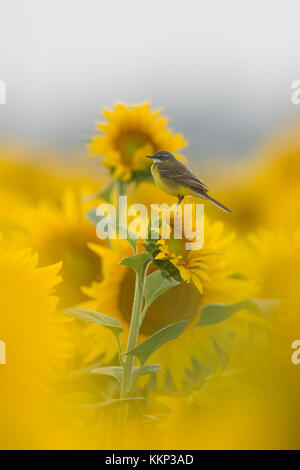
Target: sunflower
<point>232,408</point>
<point>11,205</point>
<point>32,175</point>
<point>61,233</point>
<point>131,133</point>
<point>236,408</point>
<point>202,266</point>
<point>264,192</point>
<point>28,328</point>
<point>273,260</point>
<point>27,180</point>
<point>114,296</point>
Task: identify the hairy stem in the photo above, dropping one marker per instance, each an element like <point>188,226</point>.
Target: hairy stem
<point>133,333</point>
<point>127,376</point>
<point>120,187</point>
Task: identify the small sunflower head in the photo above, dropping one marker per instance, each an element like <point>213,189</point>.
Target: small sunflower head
<point>200,266</point>
<point>129,134</point>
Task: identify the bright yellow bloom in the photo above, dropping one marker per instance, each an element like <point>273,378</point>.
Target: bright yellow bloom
<point>265,191</point>
<point>11,205</point>
<point>203,266</point>
<point>252,402</point>
<point>114,296</point>
<point>32,175</point>
<point>273,261</point>
<point>230,409</point>
<point>131,133</point>
<point>61,233</point>
<point>26,180</point>
<point>27,326</point>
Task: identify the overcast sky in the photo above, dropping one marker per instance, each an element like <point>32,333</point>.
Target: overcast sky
<point>222,70</point>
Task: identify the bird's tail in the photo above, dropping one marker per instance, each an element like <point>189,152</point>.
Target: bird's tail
<point>211,199</point>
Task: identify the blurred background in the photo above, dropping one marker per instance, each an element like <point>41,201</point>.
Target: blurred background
<point>222,71</point>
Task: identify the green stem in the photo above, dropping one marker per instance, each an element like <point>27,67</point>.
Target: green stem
<point>120,188</point>
<point>133,333</point>
<point>143,314</point>
<point>136,379</point>
<point>120,352</point>
<point>127,376</point>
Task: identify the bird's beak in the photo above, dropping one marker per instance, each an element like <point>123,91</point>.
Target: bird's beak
<point>149,156</point>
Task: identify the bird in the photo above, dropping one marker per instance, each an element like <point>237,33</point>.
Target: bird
<point>176,179</point>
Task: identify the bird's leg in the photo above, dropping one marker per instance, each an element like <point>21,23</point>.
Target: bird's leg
<point>180,198</point>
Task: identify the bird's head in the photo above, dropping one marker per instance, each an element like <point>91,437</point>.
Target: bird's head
<point>162,156</point>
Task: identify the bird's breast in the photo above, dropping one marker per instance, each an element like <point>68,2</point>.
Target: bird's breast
<point>164,183</point>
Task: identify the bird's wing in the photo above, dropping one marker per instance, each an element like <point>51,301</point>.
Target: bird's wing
<point>181,175</point>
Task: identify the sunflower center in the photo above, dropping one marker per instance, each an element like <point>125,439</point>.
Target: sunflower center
<point>129,142</point>
<point>179,303</point>
<point>176,246</point>
<point>80,266</point>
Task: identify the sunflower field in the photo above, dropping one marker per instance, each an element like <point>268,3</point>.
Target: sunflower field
<point>142,343</point>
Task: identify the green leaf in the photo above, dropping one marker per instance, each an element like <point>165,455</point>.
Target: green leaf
<point>154,342</point>
<point>79,372</point>
<point>117,372</point>
<point>265,306</point>
<point>116,401</point>
<point>121,230</point>
<point>155,285</point>
<point>153,229</point>
<point>216,313</point>
<point>80,398</point>
<point>89,197</point>
<point>113,371</point>
<point>107,192</point>
<point>103,194</point>
<point>140,176</point>
<point>137,262</point>
<point>92,217</point>
<point>111,323</point>
<point>147,369</point>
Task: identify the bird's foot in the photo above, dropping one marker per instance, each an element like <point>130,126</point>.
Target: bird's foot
<point>180,198</point>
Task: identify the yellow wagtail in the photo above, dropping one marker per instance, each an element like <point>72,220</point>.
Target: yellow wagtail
<point>174,178</point>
